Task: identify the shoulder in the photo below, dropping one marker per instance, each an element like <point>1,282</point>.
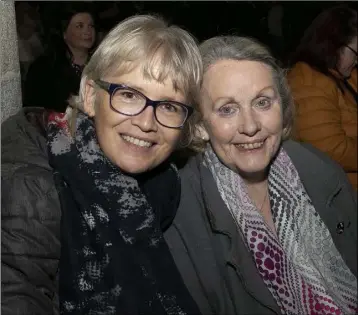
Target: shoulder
<point>307,154</point>
<point>29,191</point>
<point>303,75</point>
<point>317,167</point>
<point>23,140</point>
<point>191,170</point>
<point>41,63</point>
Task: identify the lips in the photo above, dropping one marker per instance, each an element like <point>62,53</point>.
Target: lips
<point>251,145</point>
<point>138,142</point>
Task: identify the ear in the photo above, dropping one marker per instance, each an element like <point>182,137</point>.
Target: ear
<point>201,132</point>
<point>89,99</point>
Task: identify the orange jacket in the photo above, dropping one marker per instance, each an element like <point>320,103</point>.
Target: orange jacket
<point>325,117</point>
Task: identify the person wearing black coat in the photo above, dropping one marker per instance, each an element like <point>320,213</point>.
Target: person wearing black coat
<point>55,76</point>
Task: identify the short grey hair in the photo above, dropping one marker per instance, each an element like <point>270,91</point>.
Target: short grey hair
<point>147,40</point>
<point>245,48</point>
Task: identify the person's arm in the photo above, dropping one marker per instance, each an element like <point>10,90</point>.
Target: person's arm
<point>30,246</point>
<point>318,121</point>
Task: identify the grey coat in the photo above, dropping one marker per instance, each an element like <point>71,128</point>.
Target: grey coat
<point>30,218</point>
<point>213,259</point>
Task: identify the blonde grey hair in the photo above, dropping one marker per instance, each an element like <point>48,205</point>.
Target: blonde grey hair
<point>151,42</point>
<point>245,48</point>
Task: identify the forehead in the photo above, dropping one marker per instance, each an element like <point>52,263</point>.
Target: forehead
<point>150,69</point>
<point>233,76</point>
<point>83,17</point>
<point>136,77</point>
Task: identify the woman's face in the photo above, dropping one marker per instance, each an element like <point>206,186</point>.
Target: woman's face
<point>242,115</point>
<point>139,143</point>
<point>348,58</point>
<point>80,33</point>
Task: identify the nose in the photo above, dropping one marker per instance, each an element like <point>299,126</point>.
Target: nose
<point>145,120</point>
<point>249,123</point>
<point>87,30</point>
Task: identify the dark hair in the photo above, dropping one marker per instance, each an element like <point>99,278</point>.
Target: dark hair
<point>328,33</point>
<point>57,47</point>
<point>73,8</point>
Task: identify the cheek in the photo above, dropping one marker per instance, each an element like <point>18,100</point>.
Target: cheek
<point>104,121</point>
<point>71,36</point>
<point>170,137</point>
<point>221,131</point>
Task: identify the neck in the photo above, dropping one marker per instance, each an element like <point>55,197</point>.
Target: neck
<point>79,56</point>
<point>258,193</point>
<point>257,186</point>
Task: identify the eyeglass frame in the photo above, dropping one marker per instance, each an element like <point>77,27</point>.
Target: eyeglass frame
<point>353,50</point>
<point>111,88</point>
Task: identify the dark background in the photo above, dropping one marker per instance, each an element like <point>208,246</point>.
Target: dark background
<point>204,19</point>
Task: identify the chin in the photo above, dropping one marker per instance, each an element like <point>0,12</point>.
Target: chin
<point>253,174</point>
<point>135,168</point>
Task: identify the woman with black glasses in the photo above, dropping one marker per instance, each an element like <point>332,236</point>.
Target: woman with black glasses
<point>323,80</point>
<point>102,169</point>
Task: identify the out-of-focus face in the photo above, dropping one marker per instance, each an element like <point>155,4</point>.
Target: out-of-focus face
<point>80,32</point>
<point>242,115</point>
<point>348,58</point>
<point>139,143</point>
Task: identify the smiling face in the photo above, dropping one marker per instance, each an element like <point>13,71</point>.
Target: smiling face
<point>139,143</point>
<point>242,115</point>
<point>80,33</point>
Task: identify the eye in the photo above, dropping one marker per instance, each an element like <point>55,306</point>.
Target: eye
<point>79,25</point>
<point>227,110</point>
<point>169,107</point>
<point>126,95</point>
<point>263,103</point>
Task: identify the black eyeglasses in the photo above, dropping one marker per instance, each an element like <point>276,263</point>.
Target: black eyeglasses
<point>130,102</point>
<point>351,49</point>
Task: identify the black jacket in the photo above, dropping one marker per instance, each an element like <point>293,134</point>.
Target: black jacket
<point>50,81</point>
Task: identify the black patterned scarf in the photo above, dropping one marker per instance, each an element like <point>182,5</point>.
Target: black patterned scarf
<point>114,259</point>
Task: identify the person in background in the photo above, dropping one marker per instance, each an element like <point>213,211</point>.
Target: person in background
<point>324,89</point>
<point>55,76</point>
<point>87,194</point>
<point>275,17</point>
<point>265,225</point>
<point>29,35</point>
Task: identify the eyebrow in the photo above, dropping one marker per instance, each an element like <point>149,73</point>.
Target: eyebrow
<point>258,94</point>
<point>141,90</point>
<point>267,88</point>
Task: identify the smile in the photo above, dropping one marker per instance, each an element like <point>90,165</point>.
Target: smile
<point>251,146</point>
<point>137,142</point>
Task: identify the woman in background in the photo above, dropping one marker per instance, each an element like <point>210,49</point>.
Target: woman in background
<point>324,86</point>
<point>56,75</point>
